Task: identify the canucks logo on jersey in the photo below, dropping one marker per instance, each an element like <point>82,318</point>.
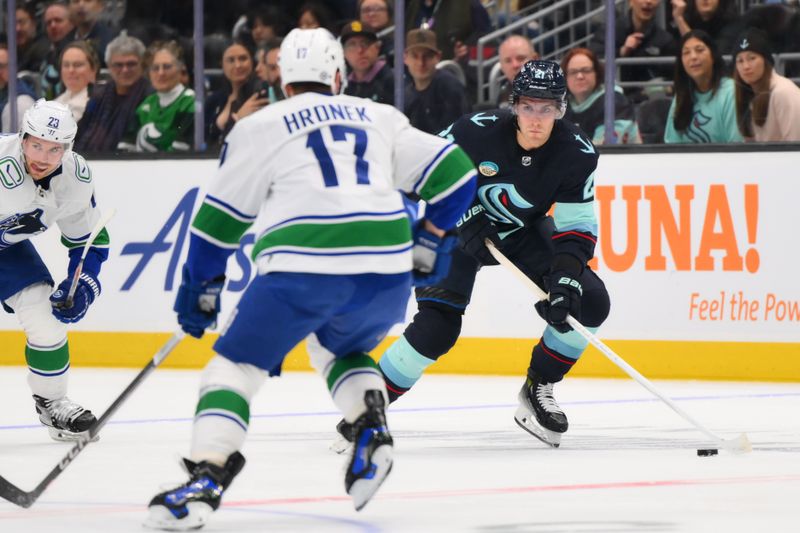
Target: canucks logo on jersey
<point>19,227</point>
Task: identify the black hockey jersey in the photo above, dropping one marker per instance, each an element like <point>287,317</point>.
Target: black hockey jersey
<point>516,187</point>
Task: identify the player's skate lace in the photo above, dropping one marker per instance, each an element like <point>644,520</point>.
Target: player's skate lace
<point>544,395</point>
<point>63,413</point>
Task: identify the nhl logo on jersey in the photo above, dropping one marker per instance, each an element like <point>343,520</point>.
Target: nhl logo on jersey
<point>526,160</point>
<point>488,168</point>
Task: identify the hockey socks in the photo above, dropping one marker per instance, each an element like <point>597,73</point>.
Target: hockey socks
<point>556,353</point>
<point>402,366</point>
<point>222,416</point>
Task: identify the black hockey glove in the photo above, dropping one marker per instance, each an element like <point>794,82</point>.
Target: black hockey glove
<point>565,298</point>
<point>473,228</point>
<point>198,304</point>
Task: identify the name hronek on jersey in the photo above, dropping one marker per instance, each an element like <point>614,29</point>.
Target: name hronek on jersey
<point>324,113</point>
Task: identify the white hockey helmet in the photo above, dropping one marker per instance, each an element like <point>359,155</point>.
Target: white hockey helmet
<point>50,121</point>
<point>311,56</point>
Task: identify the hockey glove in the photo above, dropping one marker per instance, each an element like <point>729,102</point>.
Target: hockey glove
<point>473,228</point>
<point>198,304</point>
<point>565,298</point>
<point>432,257</point>
<point>87,289</point>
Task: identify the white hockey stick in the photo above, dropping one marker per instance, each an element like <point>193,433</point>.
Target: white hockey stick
<point>101,223</point>
<point>737,445</point>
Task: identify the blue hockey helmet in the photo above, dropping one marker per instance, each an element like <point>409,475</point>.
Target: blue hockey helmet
<point>539,78</point>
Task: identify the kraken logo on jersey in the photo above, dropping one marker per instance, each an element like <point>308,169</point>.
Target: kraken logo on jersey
<point>497,198</point>
<point>19,227</point>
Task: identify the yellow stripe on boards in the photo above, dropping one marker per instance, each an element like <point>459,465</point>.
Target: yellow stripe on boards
<point>745,361</point>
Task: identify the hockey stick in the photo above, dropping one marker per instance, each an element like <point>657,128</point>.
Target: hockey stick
<point>25,499</point>
<point>737,445</point>
<point>101,223</point>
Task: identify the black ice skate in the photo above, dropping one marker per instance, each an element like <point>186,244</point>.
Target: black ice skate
<point>371,461</point>
<point>538,412</point>
<point>345,435</point>
<point>65,419</point>
<point>189,505</point>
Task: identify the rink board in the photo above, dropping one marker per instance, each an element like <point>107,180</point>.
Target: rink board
<point>698,251</point>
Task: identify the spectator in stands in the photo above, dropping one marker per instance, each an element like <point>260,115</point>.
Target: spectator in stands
<point>239,95</point>
<point>269,71</point>
<point>110,114</point>
<point>767,104</point>
<point>31,47</point>
<point>266,23</point>
<point>718,18</point>
<point>79,66</point>
<point>514,52</point>
<point>586,100</point>
<point>376,16</point>
<point>704,108</point>
<point>434,98</point>
<point>25,94</point>
<point>57,27</point>
<point>314,15</point>
<point>370,76</point>
<point>456,23</point>
<point>165,119</point>
<point>85,16</point>
<point>638,36</point>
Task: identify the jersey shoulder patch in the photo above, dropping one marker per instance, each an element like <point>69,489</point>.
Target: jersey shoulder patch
<point>81,171</point>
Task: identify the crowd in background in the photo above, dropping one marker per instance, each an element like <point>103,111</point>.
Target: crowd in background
<point>127,77</point>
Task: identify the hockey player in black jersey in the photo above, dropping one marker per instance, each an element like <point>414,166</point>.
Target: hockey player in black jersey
<point>528,160</point>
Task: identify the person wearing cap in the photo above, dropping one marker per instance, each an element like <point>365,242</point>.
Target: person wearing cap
<point>46,184</point>
<point>767,104</point>
<point>370,76</point>
<point>434,98</point>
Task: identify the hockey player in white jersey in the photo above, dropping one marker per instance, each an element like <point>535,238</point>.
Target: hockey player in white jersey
<point>44,183</point>
<point>336,256</point>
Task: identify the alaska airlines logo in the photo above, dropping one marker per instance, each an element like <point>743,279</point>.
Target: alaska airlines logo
<point>19,227</point>
<point>498,199</point>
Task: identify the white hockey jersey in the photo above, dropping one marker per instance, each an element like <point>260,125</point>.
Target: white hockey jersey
<point>321,174</point>
<point>27,208</point>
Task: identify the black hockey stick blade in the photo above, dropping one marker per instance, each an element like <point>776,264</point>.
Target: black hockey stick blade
<point>25,499</point>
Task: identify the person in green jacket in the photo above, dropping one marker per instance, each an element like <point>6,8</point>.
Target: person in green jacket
<point>703,110</point>
<point>166,117</point>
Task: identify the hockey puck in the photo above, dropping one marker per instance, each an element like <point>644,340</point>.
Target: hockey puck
<point>707,452</point>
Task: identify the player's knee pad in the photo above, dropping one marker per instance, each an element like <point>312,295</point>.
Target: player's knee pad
<point>434,330</point>
<point>35,315</point>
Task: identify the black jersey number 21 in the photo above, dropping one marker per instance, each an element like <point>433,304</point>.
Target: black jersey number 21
<point>340,133</point>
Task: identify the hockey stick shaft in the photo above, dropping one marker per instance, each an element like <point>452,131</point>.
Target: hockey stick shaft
<point>15,495</point>
<point>739,445</point>
<point>101,223</point>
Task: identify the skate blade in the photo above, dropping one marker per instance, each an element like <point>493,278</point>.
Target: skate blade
<point>340,445</point>
<point>527,421</point>
<point>161,518</point>
<point>62,435</point>
<point>363,489</point>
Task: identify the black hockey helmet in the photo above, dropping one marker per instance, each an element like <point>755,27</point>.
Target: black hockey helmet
<point>539,78</point>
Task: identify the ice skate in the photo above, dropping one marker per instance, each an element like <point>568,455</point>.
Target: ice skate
<point>344,437</point>
<point>188,506</point>
<point>64,419</point>
<point>538,412</point>
<point>371,459</point>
